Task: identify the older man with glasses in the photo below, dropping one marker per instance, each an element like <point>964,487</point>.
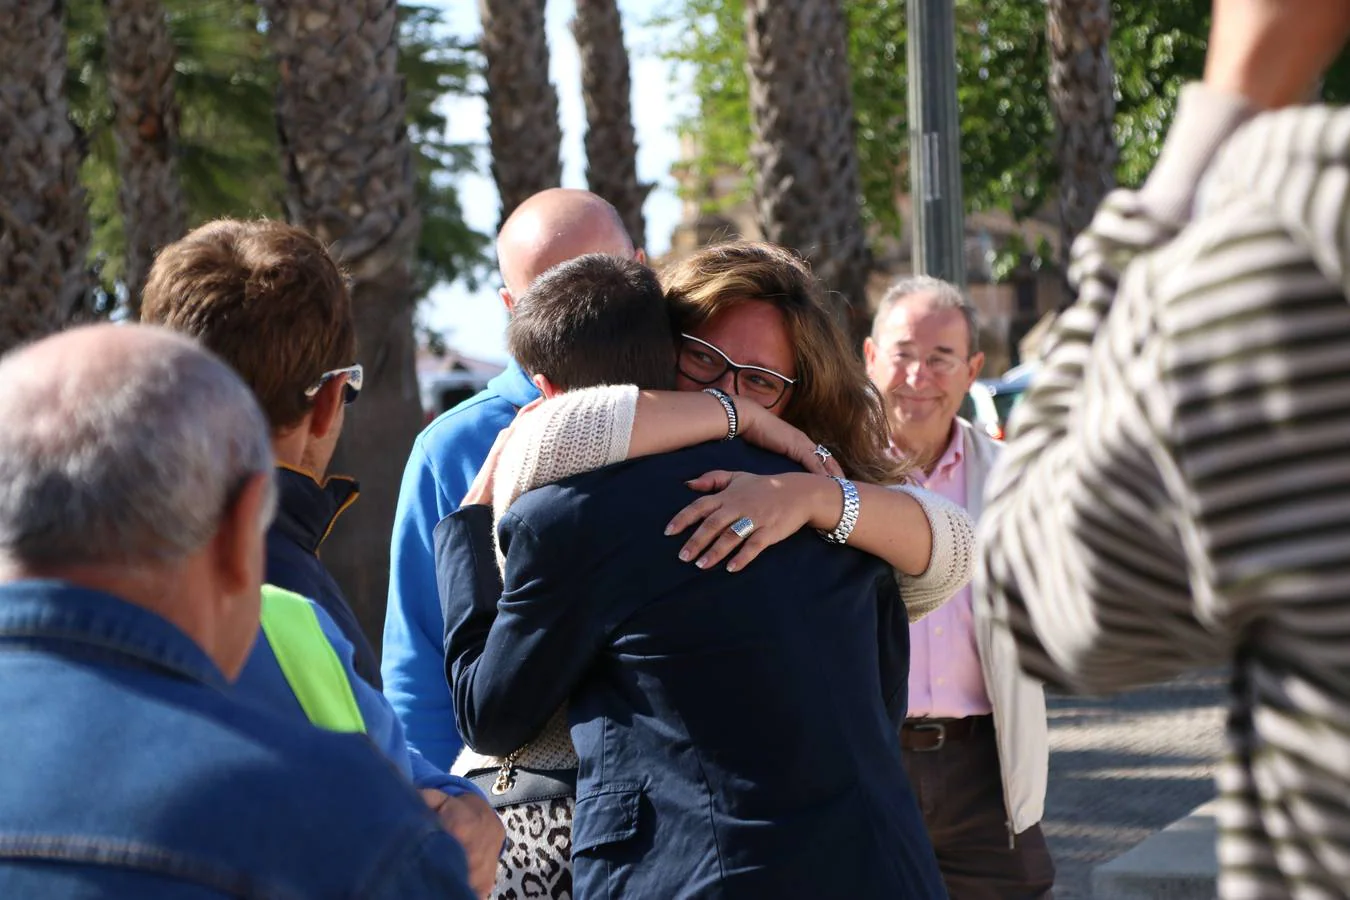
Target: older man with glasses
<point>975,741</point>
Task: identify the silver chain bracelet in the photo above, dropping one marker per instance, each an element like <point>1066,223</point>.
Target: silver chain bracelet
<point>733,421</point>
<point>849,518</point>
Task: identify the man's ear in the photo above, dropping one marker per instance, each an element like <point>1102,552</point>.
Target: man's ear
<point>240,536</point>
<point>327,405</point>
<point>641,256</point>
<point>976,367</point>
<point>546,387</point>
<point>869,352</point>
<point>507,300</point>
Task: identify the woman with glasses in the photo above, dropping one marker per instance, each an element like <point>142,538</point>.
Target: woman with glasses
<point>761,357</point>
<point>757,334</point>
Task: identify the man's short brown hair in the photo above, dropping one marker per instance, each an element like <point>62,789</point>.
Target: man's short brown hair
<point>264,296</point>
<point>594,320</point>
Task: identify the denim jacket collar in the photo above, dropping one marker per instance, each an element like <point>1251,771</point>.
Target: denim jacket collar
<point>54,612</point>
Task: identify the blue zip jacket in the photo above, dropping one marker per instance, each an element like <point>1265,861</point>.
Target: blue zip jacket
<point>445,458</point>
<point>306,513</point>
<point>263,684</point>
<point>199,796</point>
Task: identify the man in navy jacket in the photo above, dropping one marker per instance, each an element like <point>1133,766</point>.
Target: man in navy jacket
<point>737,733</point>
<point>269,299</point>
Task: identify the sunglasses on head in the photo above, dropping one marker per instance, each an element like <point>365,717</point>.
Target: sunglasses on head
<point>351,390</point>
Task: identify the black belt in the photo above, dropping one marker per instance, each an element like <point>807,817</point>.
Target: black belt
<point>926,735</point>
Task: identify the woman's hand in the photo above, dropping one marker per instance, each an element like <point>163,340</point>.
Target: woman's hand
<point>765,430</point>
<point>779,505</point>
<point>480,492</point>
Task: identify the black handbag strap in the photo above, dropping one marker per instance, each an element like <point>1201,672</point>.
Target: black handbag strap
<point>525,785</point>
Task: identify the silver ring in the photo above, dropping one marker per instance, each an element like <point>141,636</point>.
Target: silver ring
<point>742,527</point>
<point>821,453</point>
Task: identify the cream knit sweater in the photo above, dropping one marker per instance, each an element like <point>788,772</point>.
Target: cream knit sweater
<point>588,429</point>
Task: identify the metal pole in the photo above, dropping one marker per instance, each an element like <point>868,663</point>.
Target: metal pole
<point>935,142</point>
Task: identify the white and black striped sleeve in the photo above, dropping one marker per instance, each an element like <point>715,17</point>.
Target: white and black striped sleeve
<point>1082,550</point>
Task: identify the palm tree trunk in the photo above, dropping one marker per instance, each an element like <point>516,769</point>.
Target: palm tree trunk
<point>611,148</point>
<point>349,167</point>
<point>1082,94</point>
<point>44,225</point>
<point>522,106</point>
<point>145,125</point>
<point>806,162</point>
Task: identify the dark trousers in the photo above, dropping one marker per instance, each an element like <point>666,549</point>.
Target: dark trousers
<point>959,787</point>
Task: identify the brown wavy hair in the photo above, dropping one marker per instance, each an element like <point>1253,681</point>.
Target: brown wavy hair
<point>833,401</point>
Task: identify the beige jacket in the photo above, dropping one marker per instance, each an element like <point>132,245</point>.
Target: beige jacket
<point>1020,725</point>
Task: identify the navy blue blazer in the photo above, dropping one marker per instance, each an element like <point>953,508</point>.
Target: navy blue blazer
<point>737,732</point>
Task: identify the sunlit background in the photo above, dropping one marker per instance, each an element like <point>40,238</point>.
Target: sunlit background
<point>472,322</point>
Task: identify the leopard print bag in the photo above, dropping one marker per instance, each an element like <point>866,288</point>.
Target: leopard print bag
<point>537,859</point>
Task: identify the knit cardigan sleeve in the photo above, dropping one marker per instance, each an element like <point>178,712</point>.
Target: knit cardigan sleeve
<point>952,561</point>
<point>575,432</point>
<point>587,429</point>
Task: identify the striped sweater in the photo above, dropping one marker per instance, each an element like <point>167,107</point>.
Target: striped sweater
<point>1176,489</point>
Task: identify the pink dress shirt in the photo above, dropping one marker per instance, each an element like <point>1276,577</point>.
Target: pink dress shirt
<point>946,680</point>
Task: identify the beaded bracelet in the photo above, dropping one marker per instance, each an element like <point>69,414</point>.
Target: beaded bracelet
<point>733,421</point>
<point>849,518</point>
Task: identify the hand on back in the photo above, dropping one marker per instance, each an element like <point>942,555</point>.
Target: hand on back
<point>762,428</point>
<point>480,492</point>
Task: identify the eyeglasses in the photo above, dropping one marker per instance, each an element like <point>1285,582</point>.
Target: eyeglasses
<point>940,364</point>
<point>352,389</point>
<point>704,363</point>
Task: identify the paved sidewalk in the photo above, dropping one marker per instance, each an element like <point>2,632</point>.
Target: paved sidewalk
<point>1122,768</point>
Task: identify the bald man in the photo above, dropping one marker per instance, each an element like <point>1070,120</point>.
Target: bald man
<point>551,227</point>
<point>137,473</point>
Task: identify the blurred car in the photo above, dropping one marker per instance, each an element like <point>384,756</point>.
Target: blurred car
<point>978,408</point>
<point>990,401</point>
<point>446,390</point>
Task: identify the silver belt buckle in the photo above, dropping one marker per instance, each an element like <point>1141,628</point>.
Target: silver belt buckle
<point>939,727</point>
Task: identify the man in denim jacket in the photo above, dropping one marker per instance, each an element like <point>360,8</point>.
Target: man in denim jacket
<point>137,487</point>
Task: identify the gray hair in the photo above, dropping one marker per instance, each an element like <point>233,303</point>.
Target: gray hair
<point>131,458</point>
<point>942,294</point>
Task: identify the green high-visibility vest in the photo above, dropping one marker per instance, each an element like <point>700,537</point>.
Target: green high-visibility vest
<point>309,662</point>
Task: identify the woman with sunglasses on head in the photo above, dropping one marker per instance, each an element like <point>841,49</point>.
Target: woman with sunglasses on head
<point>761,356</point>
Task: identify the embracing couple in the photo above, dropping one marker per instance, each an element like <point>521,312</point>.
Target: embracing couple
<point>707,635</point>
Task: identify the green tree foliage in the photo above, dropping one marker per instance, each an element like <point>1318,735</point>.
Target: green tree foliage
<point>877,47</point>
<point>435,66</point>
<point>229,156</point>
<point>1002,67</point>
<point>709,36</point>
